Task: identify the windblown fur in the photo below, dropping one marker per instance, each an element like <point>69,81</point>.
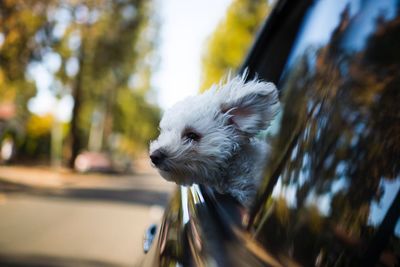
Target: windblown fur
<point>210,139</point>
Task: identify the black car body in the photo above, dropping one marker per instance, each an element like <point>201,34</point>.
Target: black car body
<point>330,196</point>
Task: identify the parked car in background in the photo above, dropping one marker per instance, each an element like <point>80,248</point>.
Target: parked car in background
<point>9,131</point>
<point>93,162</point>
<point>102,162</point>
<point>331,195</point>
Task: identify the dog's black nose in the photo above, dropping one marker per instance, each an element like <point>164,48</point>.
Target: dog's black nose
<point>157,157</point>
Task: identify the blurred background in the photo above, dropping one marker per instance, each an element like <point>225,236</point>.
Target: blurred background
<point>83,85</point>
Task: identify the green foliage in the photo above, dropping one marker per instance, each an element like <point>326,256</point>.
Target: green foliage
<point>231,40</point>
<point>110,43</point>
<point>18,26</point>
<point>136,119</point>
<point>38,134</point>
<point>39,125</point>
<point>114,51</point>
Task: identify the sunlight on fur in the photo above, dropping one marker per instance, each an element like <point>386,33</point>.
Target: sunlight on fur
<point>210,139</point>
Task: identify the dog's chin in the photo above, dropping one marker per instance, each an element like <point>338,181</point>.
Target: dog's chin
<point>179,180</point>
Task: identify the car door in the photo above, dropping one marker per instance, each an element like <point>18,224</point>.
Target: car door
<point>331,191</point>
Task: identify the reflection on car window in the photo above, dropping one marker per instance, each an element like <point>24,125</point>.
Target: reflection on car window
<point>334,168</point>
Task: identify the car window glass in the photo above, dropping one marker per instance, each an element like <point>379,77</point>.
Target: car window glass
<point>332,184</point>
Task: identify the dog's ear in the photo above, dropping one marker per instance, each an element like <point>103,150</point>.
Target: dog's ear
<point>250,106</point>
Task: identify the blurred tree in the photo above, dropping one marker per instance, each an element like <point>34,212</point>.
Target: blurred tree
<point>231,40</point>
<point>99,52</point>
<point>116,39</point>
<point>37,140</point>
<point>19,27</point>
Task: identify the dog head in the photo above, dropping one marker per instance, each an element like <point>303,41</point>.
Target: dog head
<point>200,135</point>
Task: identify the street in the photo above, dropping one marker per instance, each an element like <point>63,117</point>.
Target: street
<point>71,219</point>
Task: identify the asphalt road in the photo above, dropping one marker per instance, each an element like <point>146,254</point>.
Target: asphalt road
<point>99,222</point>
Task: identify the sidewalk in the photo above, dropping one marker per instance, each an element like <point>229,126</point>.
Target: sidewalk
<point>46,177</point>
<point>39,176</point>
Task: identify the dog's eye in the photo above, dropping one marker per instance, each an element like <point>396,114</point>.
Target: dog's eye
<point>192,136</point>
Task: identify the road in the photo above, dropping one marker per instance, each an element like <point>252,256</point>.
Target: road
<point>78,220</point>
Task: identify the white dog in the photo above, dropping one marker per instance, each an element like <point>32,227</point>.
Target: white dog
<point>210,139</point>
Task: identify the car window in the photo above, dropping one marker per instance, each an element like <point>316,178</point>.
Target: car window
<point>331,194</point>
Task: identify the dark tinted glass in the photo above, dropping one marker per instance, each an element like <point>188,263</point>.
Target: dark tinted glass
<point>331,195</point>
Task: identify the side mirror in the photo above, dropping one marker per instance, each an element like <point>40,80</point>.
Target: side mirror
<point>149,237</point>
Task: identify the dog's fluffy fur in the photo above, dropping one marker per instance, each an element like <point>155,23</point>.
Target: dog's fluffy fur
<point>210,139</point>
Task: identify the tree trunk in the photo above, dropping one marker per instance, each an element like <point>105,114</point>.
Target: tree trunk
<point>75,140</point>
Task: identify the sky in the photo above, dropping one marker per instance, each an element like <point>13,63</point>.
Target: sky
<point>185,27</point>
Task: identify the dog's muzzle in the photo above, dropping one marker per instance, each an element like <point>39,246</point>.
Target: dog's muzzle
<point>157,157</point>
